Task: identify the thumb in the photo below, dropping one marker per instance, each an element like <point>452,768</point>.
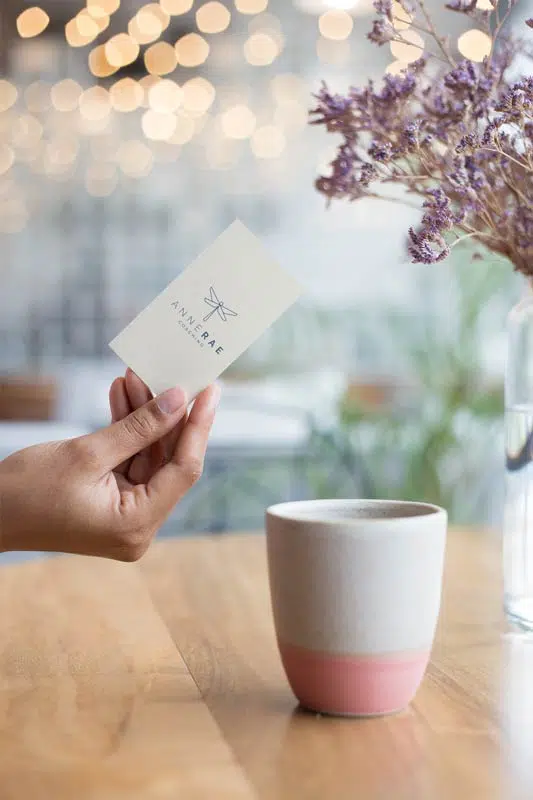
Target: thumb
<point>143,427</point>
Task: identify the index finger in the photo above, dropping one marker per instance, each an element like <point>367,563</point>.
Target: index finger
<point>174,479</point>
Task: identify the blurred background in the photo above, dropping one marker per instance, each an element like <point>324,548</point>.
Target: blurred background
<point>131,135</point>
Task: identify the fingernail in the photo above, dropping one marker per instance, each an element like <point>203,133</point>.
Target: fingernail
<point>170,401</point>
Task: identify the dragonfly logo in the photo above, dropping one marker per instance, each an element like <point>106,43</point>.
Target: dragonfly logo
<point>217,307</point>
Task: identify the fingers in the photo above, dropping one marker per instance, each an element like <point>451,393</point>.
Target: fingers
<point>120,407</point>
<point>171,439</point>
<point>173,480</point>
<point>118,400</point>
<point>109,447</point>
<point>143,466</point>
<point>138,392</point>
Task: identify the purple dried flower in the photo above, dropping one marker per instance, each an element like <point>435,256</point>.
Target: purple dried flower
<point>461,139</point>
<point>529,22</point>
<point>463,77</point>
<point>382,32</point>
<point>384,8</point>
<point>368,174</point>
<point>422,249</point>
<point>380,151</point>
<point>463,6</point>
<point>396,87</point>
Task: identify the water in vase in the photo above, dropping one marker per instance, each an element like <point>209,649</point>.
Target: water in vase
<point>518,515</point>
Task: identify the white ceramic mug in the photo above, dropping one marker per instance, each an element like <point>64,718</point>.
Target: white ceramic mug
<point>356,587</point>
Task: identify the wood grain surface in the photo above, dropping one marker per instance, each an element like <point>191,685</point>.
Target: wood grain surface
<point>469,733</point>
<point>162,680</point>
<point>95,700</point>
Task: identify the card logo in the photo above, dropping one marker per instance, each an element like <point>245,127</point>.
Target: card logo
<point>196,329</point>
<point>217,307</point>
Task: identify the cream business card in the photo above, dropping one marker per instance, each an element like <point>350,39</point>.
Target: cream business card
<point>208,316</point>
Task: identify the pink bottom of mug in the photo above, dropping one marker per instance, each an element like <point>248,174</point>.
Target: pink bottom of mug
<point>353,685</point>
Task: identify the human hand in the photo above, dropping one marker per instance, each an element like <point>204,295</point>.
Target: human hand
<point>107,493</point>
<point>125,396</point>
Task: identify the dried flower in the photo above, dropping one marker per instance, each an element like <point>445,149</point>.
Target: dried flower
<point>382,32</point>
<point>463,6</point>
<point>459,136</point>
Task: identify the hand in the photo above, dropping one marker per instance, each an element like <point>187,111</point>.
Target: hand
<point>126,395</point>
<point>107,493</point>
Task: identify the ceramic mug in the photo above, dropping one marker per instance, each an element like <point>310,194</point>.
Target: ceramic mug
<point>355,587</point>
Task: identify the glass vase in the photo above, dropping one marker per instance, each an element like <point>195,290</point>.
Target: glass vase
<point>518,510</point>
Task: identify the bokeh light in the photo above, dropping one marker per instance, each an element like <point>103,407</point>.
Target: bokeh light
<point>160,59</point>
<point>345,5</point>
<point>8,95</point>
<point>99,7</point>
<point>148,24</point>
<point>135,158</point>
<point>95,104</point>
<point>158,125</point>
<point>213,17</point>
<point>184,132</point>
<point>176,7</point>
<point>474,44</point>
<point>396,68</point>
<point>99,64</point>
<point>146,83</point>
<point>126,95</point>
<point>260,49</point>
<point>409,50</point>
<point>7,158</point>
<point>32,22</point>
<point>251,6</point>
<point>165,96</point>
<point>192,50</point>
<point>87,25</point>
<point>65,95</point>
<point>94,125</point>
<point>336,25</point>
<point>269,24</point>
<point>121,50</point>
<point>401,19</point>
<point>83,29</point>
<point>238,122</point>
<point>144,35</point>
<point>198,96</point>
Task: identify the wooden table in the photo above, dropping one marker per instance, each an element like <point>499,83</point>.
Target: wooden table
<point>162,680</point>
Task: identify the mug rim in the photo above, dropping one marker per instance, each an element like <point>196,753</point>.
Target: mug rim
<point>289,511</point>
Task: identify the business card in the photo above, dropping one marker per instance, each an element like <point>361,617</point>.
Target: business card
<point>208,316</point>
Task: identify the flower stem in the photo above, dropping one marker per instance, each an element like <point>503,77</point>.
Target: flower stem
<point>440,43</point>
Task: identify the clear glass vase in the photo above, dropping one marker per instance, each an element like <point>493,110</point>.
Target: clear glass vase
<point>518,511</point>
